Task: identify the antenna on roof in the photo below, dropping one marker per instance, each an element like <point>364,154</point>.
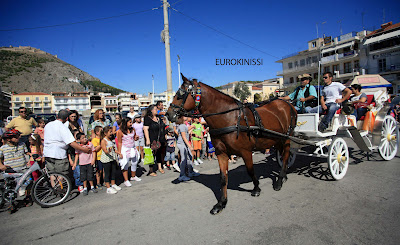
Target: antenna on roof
<point>383,16</point>
<point>340,26</point>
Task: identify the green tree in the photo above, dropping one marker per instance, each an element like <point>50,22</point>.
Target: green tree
<point>241,91</point>
<point>257,98</point>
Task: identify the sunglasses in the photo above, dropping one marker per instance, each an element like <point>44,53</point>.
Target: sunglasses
<point>22,111</point>
<point>325,77</point>
<point>304,79</point>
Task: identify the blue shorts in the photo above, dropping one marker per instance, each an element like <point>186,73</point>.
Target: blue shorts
<point>98,165</point>
<point>169,156</point>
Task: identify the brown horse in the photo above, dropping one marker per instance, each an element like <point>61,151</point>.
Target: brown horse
<point>222,114</point>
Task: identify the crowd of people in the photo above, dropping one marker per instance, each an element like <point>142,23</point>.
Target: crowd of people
<point>110,151</point>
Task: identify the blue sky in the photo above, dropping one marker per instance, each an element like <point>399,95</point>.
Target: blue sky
<point>126,51</point>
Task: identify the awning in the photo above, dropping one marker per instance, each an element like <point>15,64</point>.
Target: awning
<point>382,37</point>
<point>343,45</point>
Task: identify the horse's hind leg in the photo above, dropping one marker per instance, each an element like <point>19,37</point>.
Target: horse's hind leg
<point>223,167</point>
<point>285,159</point>
<point>248,160</point>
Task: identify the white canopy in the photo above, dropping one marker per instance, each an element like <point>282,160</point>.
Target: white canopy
<point>382,37</point>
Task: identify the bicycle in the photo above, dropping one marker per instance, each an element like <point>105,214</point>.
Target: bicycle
<point>49,190</point>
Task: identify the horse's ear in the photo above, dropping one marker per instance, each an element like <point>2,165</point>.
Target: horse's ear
<point>185,80</point>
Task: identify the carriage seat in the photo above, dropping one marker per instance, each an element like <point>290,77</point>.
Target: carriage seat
<point>370,101</point>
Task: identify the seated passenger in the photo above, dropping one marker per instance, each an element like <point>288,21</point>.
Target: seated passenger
<point>305,95</point>
<point>334,93</point>
<point>358,97</point>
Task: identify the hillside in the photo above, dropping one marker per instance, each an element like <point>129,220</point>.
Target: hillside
<point>26,69</point>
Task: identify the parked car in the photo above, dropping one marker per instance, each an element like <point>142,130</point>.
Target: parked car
<point>9,118</point>
<point>47,117</point>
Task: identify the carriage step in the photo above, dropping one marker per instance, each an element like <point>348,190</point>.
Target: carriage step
<point>358,139</point>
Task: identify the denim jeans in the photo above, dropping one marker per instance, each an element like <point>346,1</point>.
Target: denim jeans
<point>332,108</point>
<point>358,113</point>
<point>186,160</point>
<point>77,175</point>
<point>303,110</point>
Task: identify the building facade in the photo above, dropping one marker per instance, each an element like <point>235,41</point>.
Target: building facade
<point>5,104</point>
<point>382,48</point>
<point>36,102</point>
<point>78,101</point>
<point>111,103</point>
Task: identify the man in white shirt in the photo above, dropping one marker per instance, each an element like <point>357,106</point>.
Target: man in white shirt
<point>57,137</point>
<point>334,93</point>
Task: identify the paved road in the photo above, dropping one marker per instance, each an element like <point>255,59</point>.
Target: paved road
<point>363,208</point>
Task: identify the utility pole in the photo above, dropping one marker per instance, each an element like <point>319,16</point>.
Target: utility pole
<point>179,71</point>
<point>152,95</point>
<point>167,50</point>
<point>340,24</point>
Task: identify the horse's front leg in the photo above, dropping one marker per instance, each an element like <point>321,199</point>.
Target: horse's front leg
<point>285,158</point>
<point>223,167</point>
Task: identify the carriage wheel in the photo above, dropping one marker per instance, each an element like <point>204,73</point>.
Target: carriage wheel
<point>292,157</point>
<point>338,158</point>
<point>388,146</point>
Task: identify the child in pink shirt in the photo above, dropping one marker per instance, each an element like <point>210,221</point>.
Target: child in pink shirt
<point>86,162</point>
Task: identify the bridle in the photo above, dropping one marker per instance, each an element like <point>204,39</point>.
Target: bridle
<point>183,94</point>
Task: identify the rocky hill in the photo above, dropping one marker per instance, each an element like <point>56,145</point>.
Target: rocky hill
<point>26,69</point>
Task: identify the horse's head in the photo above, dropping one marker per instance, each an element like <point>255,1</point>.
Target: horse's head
<point>184,99</point>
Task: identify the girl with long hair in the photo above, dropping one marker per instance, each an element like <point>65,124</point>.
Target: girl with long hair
<point>129,156</point>
<point>108,160</point>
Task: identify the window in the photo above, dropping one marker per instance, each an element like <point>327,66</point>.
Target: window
<point>290,65</point>
<point>46,98</point>
<point>308,61</point>
<point>381,65</point>
<point>291,80</point>
<point>347,67</point>
<point>314,59</point>
<point>327,69</point>
<point>302,62</point>
<point>335,68</point>
<point>36,98</point>
<point>26,98</point>
<point>314,44</point>
<point>296,63</point>
<point>16,98</point>
<point>356,65</point>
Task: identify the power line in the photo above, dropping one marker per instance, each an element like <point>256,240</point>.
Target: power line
<point>226,35</point>
<point>81,22</point>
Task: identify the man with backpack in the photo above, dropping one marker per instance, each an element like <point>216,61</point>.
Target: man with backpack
<point>304,97</point>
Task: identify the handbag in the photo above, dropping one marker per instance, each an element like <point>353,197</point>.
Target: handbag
<point>148,156</point>
<point>155,145</point>
<point>360,105</point>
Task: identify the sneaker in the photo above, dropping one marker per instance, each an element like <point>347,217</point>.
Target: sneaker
<point>199,160</point>
<point>116,187</point>
<point>165,166</point>
<point>136,178</point>
<point>176,167</point>
<point>93,190</point>
<point>80,189</point>
<point>183,178</point>
<point>195,170</point>
<point>194,174</point>
<point>100,187</point>
<point>85,192</point>
<point>127,183</point>
<point>196,162</point>
<point>111,190</point>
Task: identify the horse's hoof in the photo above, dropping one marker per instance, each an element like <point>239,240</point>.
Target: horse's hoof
<point>256,192</point>
<point>217,208</point>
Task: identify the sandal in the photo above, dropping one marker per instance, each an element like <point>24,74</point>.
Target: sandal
<point>153,174</point>
<point>161,171</point>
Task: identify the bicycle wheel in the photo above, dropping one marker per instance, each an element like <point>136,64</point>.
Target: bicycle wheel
<point>51,190</point>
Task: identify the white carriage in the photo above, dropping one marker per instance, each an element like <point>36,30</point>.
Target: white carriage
<point>331,145</point>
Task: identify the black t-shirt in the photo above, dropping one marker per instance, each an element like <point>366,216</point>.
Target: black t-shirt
<point>154,128</point>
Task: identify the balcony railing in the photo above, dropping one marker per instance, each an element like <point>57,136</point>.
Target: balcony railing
<point>299,68</point>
